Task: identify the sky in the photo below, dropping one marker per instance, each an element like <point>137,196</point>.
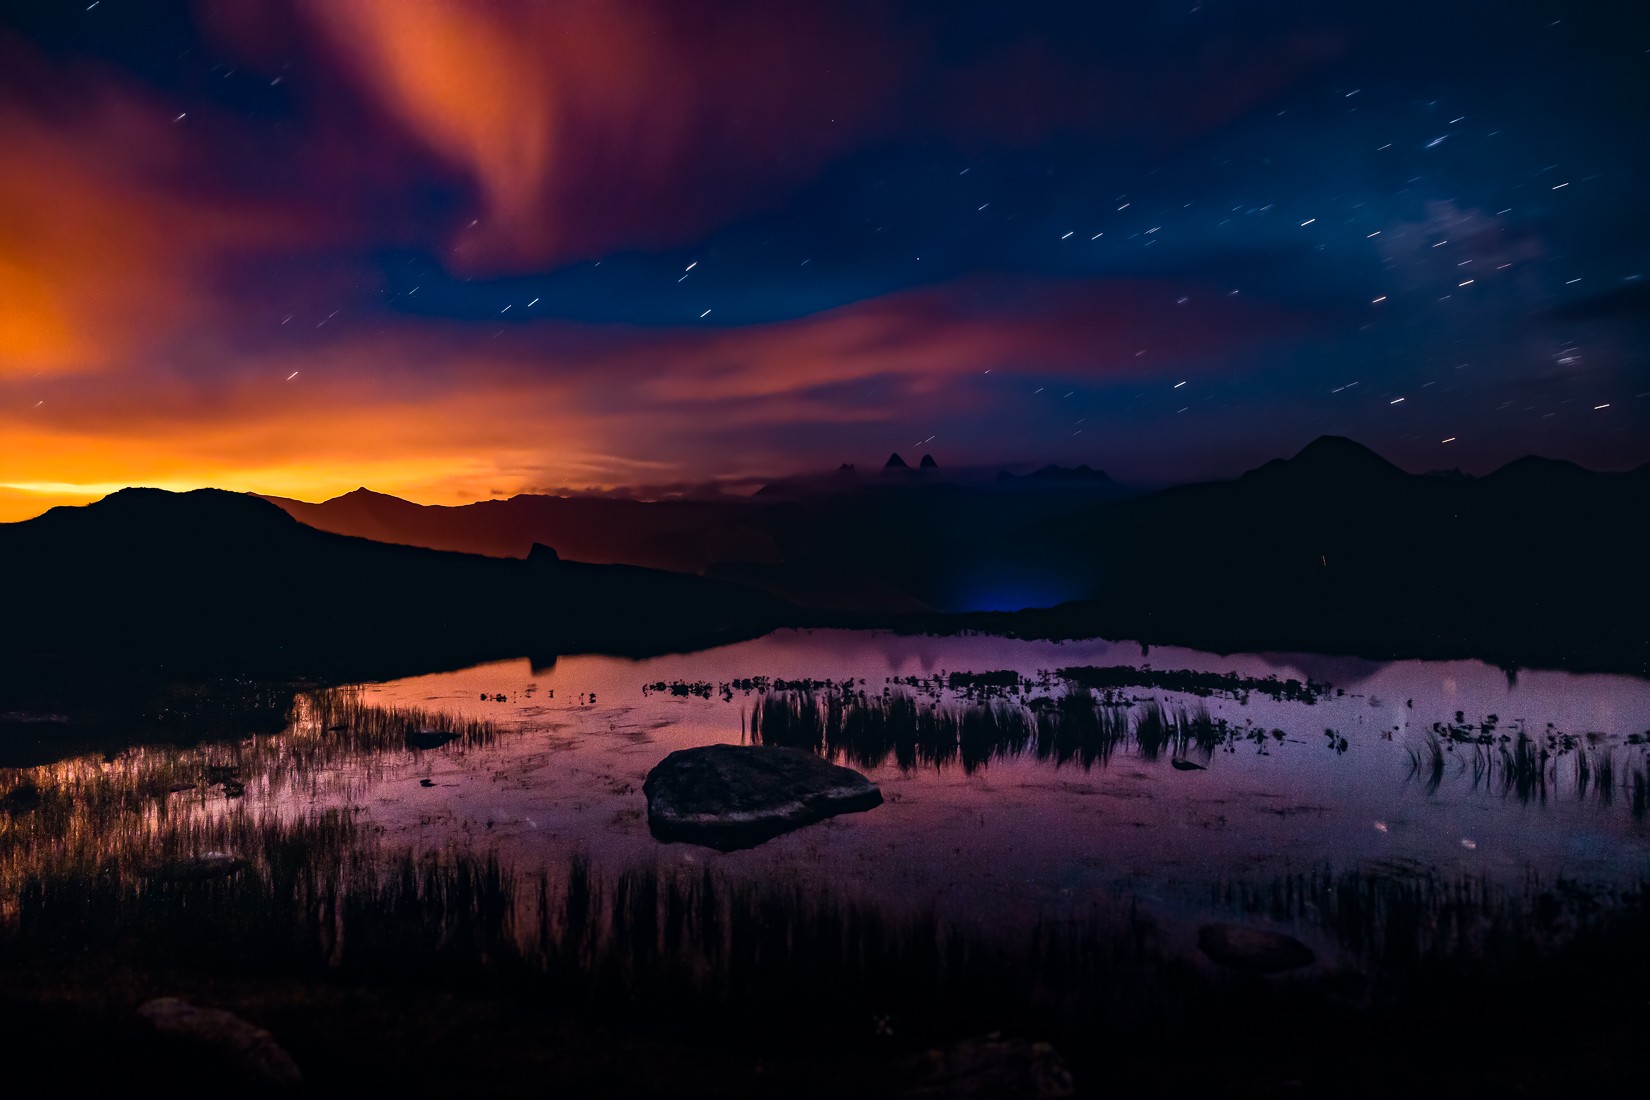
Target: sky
<point>456,250</point>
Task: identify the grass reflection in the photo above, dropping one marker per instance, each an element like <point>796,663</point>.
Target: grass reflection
<point>1534,769</point>
<point>1078,727</point>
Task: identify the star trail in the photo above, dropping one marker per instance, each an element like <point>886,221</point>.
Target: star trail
<point>462,250</point>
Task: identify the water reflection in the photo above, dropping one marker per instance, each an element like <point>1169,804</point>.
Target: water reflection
<point>1077,727</point>
<point>324,891</point>
<point>1026,783</point>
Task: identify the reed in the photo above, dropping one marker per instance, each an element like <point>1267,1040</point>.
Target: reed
<point>1078,727</point>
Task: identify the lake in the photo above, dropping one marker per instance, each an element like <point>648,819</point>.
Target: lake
<point>1019,837</point>
<point>1061,824</point>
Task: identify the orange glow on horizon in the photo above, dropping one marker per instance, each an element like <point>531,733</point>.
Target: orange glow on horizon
<point>427,413</point>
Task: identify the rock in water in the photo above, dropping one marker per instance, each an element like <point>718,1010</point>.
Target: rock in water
<point>245,1046</point>
<point>737,796</point>
<point>1253,950</point>
<point>987,1068</point>
<point>429,739</point>
<point>1183,765</point>
<point>199,868</point>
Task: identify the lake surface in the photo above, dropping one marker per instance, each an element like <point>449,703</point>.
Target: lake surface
<point>1307,766</point>
<point>1020,837</point>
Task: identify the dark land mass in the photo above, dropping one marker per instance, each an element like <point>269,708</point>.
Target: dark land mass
<point>1334,550</point>
<point>1338,551</point>
<point>210,582</point>
<point>871,543</point>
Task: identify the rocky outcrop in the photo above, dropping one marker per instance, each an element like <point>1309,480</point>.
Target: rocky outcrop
<point>737,796</point>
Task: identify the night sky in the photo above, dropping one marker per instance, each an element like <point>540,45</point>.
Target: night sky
<point>456,250</point>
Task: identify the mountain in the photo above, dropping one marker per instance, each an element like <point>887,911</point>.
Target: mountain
<point>1050,475</point>
<point>1329,463</point>
<point>229,581</point>
<point>1334,549</point>
<point>680,535</point>
<point>832,540</point>
<point>1337,550</point>
<point>1534,474</point>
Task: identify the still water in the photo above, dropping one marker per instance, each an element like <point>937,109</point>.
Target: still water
<point>1447,772</point>
<point>1020,837</point>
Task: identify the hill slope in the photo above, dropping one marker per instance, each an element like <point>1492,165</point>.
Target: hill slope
<point>210,578</point>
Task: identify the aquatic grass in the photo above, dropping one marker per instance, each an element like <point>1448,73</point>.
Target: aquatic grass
<point>88,810</point>
<point>1078,727</point>
<point>321,895</point>
<point>1604,782</point>
<point>1189,682</point>
<point>1397,923</point>
<point>341,718</point>
<point>1427,763</point>
<point>1152,729</point>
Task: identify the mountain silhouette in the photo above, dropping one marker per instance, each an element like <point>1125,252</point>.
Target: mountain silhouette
<point>1328,462</point>
<point>1333,549</point>
<point>225,580</point>
<point>1336,550</point>
<point>1070,474</point>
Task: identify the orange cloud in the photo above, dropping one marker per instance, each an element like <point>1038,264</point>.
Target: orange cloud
<point>426,411</point>
<point>108,245</point>
<point>592,126</point>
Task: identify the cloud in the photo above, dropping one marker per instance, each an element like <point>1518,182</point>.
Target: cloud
<point>426,410</point>
<point>111,240</point>
<point>585,127</point>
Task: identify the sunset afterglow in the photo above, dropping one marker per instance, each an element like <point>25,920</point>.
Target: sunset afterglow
<point>455,251</point>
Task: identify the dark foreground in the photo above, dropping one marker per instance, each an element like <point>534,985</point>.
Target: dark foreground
<point>386,969</point>
<point>75,1028</point>
<point>428,974</point>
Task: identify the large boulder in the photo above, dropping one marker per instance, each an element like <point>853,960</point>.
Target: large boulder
<point>244,1048</point>
<point>737,796</point>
